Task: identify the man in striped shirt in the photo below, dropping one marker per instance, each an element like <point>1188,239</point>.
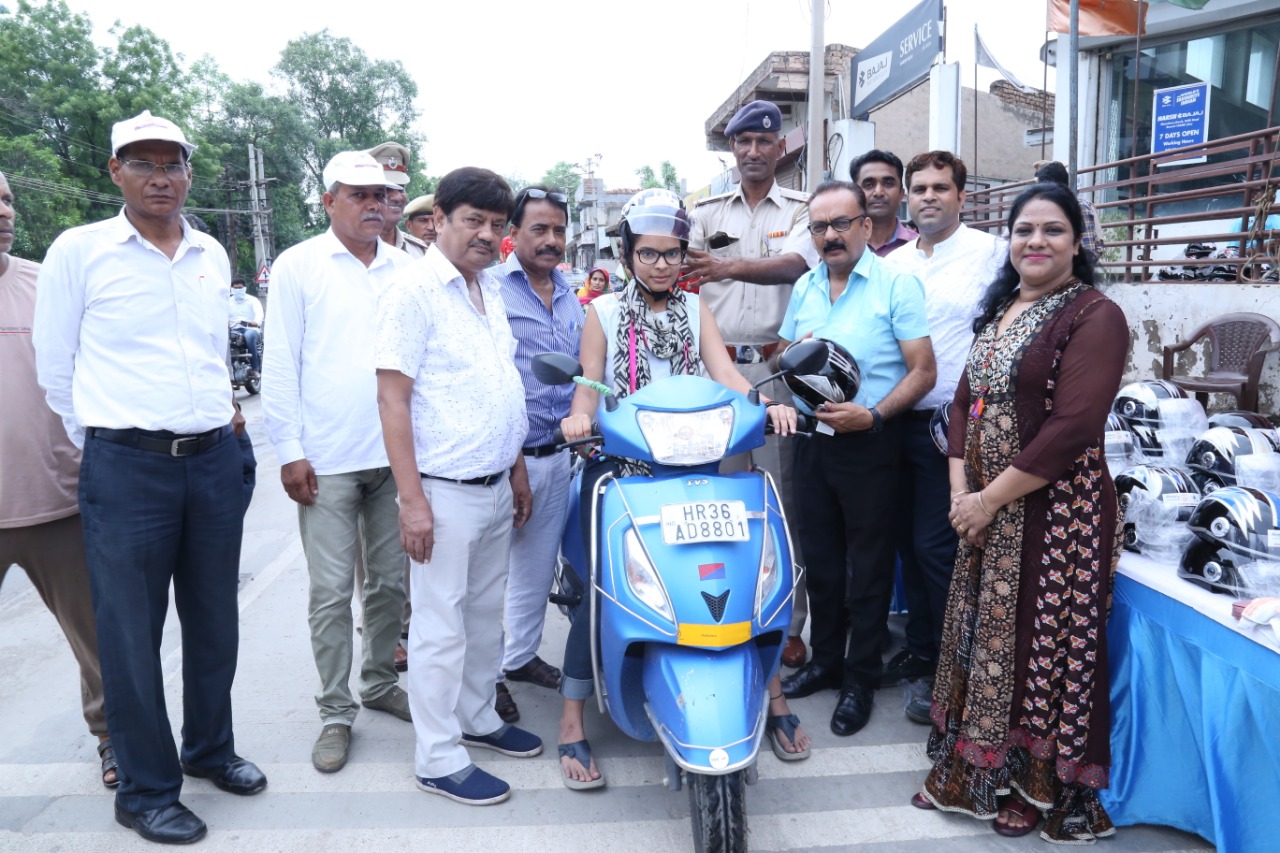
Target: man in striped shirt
<point>545,316</point>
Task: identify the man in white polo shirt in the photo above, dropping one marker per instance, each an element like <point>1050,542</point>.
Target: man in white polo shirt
<point>454,421</point>
<point>955,263</point>
<point>320,408</point>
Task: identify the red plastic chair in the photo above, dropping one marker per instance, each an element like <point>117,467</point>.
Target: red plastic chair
<point>1238,346</point>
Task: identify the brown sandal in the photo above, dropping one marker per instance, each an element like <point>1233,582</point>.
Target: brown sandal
<point>107,753</point>
<point>1029,814</point>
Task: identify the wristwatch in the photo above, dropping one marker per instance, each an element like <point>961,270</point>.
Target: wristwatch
<point>876,420</point>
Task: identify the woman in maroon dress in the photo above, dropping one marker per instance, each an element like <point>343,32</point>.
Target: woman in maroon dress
<point>1020,708</point>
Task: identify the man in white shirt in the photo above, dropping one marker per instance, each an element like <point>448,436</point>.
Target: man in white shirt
<point>131,348</point>
<point>955,263</point>
<point>320,409</point>
<point>246,311</point>
<point>454,421</point>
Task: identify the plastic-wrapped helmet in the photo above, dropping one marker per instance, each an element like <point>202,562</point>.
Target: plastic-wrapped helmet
<point>940,425</point>
<point>1118,443</point>
<point>1115,423</point>
<point>1213,457</point>
<point>1235,526</point>
<point>1248,420</point>
<point>1139,402</point>
<point>656,212</point>
<point>1172,488</point>
<point>837,382</point>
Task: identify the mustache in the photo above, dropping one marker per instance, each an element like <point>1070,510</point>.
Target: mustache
<point>371,217</point>
<point>832,244</point>
<point>487,245</point>
<point>549,250</point>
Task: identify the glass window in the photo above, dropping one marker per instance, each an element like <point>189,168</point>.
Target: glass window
<point>1239,65</point>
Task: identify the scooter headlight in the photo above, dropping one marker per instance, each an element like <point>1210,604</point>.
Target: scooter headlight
<point>643,578</point>
<point>769,577</point>
<point>687,438</point>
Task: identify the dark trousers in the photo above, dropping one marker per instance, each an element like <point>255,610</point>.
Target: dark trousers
<point>248,467</point>
<point>926,542</point>
<point>151,520</point>
<point>846,503</point>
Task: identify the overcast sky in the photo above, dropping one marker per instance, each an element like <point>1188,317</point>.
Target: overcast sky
<point>516,87</point>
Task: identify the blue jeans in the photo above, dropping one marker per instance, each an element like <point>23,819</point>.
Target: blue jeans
<point>150,520</point>
<point>578,681</point>
<point>252,338</point>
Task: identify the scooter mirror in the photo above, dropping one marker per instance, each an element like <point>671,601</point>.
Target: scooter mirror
<point>807,356</point>
<point>555,368</point>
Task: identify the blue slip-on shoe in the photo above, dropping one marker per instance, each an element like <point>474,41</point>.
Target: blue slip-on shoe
<point>508,740</point>
<point>470,786</point>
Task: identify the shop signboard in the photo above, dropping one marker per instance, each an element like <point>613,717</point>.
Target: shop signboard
<point>1180,118</point>
<point>900,58</point>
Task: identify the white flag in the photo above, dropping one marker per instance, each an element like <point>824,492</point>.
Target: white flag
<point>985,59</point>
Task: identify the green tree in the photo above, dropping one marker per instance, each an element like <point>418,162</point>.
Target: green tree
<point>562,176</point>
<point>670,179</point>
<point>647,178</point>
<point>42,215</point>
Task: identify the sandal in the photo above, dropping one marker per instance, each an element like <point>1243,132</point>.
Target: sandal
<point>107,753</point>
<point>786,723</point>
<point>579,751</point>
<point>536,671</point>
<point>1029,814</point>
<point>920,801</point>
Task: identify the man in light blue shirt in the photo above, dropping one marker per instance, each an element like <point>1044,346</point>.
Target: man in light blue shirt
<point>545,316</point>
<point>850,464</point>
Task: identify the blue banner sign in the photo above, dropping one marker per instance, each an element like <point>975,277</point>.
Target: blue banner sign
<point>1179,118</point>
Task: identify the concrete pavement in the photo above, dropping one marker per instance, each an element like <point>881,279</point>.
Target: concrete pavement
<point>852,794</point>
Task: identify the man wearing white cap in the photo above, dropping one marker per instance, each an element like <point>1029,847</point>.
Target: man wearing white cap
<point>394,159</point>
<point>160,482</point>
<point>320,409</point>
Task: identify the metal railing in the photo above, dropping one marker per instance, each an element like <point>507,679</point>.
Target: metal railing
<point>1238,169</point>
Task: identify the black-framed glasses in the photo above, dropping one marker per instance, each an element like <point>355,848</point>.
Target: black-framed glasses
<point>650,256</point>
<point>534,192</point>
<point>145,168</point>
<point>841,225</point>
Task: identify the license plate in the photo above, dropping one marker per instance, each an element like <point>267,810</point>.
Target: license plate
<point>704,521</point>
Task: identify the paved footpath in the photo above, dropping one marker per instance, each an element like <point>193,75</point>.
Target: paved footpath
<point>852,794</point>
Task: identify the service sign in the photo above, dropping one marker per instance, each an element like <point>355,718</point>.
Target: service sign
<point>1180,117</point>
<point>898,59</point>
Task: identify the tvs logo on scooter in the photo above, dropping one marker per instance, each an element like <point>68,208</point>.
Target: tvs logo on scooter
<point>711,572</point>
<point>698,482</point>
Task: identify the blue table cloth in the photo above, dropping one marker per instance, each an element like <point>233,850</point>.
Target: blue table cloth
<point>1195,715</point>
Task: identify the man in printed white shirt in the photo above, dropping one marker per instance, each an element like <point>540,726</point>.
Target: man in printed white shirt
<point>955,263</point>
<point>130,335</point>
<point>454,422</point>
<point>320,409</point>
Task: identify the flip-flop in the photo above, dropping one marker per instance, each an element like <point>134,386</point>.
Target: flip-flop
<point>580,751</point>
<point>1022,809</point>
<point>787,723</point>
<point>108,755</point>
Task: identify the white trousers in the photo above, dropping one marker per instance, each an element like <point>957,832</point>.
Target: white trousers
<point>533,558</point>
<point>455,635</point>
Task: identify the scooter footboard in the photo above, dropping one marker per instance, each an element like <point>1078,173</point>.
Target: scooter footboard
<point>708,706</point>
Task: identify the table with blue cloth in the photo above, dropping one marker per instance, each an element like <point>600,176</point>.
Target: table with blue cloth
<point>1195,701</point>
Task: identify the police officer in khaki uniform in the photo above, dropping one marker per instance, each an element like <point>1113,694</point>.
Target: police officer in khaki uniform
<point>394,158</point>
<point>748,247</point>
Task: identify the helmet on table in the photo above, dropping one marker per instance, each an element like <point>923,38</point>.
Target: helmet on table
<point>1139,402</point>
<point>837,382</point>
<point>1171,489</point>
<point>1234,526</point>
<point>1213,456</point>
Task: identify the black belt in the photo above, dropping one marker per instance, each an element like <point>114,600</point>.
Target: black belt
<point>161,440</point>
<point>474,481</point>
<point>541,450</point>
<point>920,414</point>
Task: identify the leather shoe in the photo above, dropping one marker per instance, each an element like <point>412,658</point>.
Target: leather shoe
<point>171,824</point>
<point>794,652</point>
<point>852,711</point>
<point>237,776</point>
<point>809,679</point>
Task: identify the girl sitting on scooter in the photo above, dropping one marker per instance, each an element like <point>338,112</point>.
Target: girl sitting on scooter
<point>648,331</point>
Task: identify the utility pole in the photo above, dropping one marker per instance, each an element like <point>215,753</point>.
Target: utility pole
<point>229,219</point>
<point>817,72</point>
<point>259,244</point>
<point>264,210</point>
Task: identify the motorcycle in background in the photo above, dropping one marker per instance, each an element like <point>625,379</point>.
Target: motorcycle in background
<point>242,361</point>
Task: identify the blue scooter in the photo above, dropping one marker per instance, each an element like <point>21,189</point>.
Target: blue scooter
<point>690,582</point>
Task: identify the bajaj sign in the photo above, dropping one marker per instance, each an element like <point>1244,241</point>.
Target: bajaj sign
<point>899,58</point>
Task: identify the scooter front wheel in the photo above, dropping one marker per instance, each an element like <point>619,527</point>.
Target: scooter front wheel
<point>718,807</point>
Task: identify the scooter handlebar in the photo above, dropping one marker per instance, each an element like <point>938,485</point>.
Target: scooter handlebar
<point>557,437</point>
<point>804,424</point>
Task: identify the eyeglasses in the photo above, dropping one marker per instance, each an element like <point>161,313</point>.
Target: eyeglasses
<point>840,225</point>
<point>145,168</point>
<point>650,256</point>
<point>533,192</point>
